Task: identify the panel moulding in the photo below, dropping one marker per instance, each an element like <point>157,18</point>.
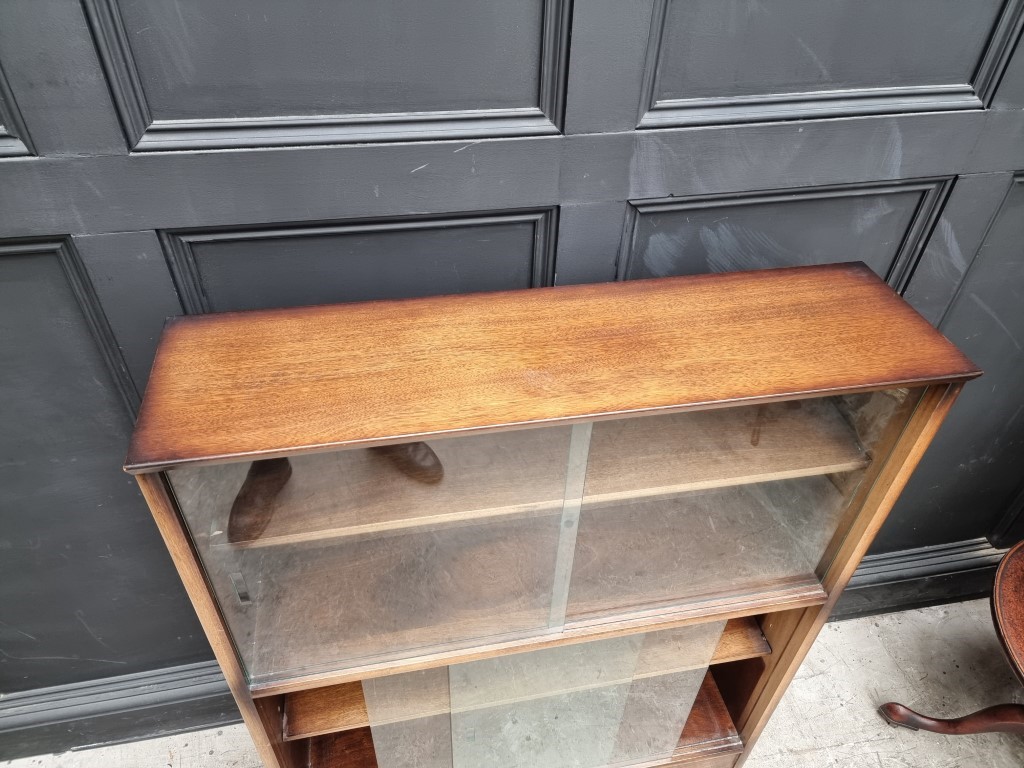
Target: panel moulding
<point>89,304</point>
<point>934,193</point>
<point>977,94</point>
<point>184,268</point>
<point>147,134</point>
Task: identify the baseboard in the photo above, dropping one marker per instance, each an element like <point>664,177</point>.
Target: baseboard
<point>194,696</point>
<point>914,578</point>
<point>114,709</point>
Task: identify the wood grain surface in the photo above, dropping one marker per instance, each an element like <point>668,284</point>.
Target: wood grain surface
<point>709,739</point>
<point>269,383</point>
<point>342,707</point>
<point>1008,606</point>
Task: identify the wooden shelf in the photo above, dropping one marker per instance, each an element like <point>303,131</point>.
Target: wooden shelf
<point>356,493</point>
<point>342,707</point>
<point>682,452</point>
<point>656,562</point>
<point>522,473</point>
<point>709,739</point>
<point>722,552</point>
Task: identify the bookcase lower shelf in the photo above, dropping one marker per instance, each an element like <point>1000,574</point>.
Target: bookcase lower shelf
<point>342,707</point>
<point>709,740</point>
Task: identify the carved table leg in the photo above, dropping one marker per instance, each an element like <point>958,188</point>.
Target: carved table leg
<point>1005,718</point>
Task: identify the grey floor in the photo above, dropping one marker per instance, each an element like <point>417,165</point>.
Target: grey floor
<point>945,661</point>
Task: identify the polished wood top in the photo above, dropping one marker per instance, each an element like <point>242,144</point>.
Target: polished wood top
<point>1008,606</point>
<point>244,385</point>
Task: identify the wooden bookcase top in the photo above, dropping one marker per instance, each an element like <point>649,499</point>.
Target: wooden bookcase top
<point>245,385</point>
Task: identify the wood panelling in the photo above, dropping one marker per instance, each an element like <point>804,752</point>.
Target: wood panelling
<point>69,520</point>
<point>256,269</point>
<point>338,73</point>
<point>951,248</point>
<point>714,63</point>
<point>173,190</point>
<point>884,225</point>
<point>975,461</point>
<point>505,370</point>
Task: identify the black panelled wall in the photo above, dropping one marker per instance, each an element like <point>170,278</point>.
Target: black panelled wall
<point>189,156</point>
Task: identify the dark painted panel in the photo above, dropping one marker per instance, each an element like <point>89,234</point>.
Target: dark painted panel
<point>111,709</point>
<point>606,70</point>
<point>90,195</point>
<point>972,472</point>
<point>62,94</point>
<point>188,75</point>
<point>355,262</point>
<point>724,235</point>
<point>1010,529</point>
<point>956,238</point>
<point>119,727</point>
<point>912,578</point>
<point>588,242</point>
<point>263,58</point>
<point>740,48</point>
<point>13,135</point>
<point>1010,94</point>
<point>94,195</point>
<point>741,60</point>
<point>129,272</point>
<point>86,585</point>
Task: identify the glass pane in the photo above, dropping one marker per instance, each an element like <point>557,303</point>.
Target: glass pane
<point>333,560</point>
<point>609,702</point>
<point>557,708</point>
<point>329,562</point>
<point>410,719</point>
<point>710,504</point>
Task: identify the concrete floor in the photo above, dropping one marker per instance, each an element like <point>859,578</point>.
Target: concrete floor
<point>944,661</point>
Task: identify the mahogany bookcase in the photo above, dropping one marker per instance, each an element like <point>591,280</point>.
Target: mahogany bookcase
<point>579,526</point>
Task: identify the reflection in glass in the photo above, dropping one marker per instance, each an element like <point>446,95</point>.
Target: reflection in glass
<point>608,702</point>
<point>410,719</point>
<point>362,556</point>
<point>702,505</point>
<point>331,561</point>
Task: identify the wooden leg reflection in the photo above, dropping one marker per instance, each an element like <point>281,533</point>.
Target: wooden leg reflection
<point>254,505</point>
<point>417,460</point>
<point>1004,718</point>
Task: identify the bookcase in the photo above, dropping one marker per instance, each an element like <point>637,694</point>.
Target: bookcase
<point>568,527</point>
